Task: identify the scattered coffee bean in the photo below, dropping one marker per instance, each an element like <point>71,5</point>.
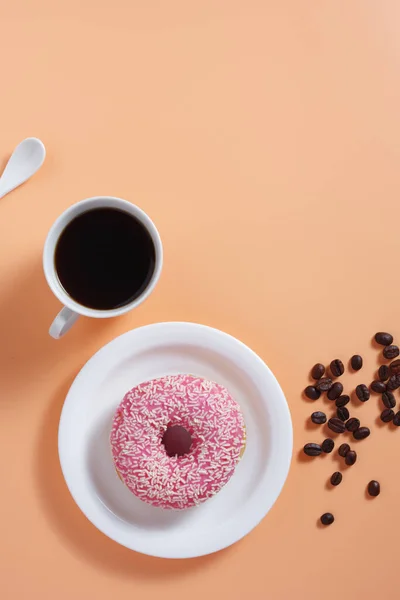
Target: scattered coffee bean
<point>318,417</point>
<point>387,415</point>
<point>317,371</point>
<point>384,372</point>
<point>361,433</point>
<point>324,384</point>
<point>312,449</point>
<point>343,413</point>
<point>394,367</point>
<point>327,519</point>
<point>390,352</point>
<point>336,425</point>
<point>336,478</point>
<point>342,400</point>
<point>393,382</point>
<point>343,449</point>
<point>312,392</point>
<point>388,380</point>
<point>353,424</point>
<point>384,339</point>
<point>396,419</point>
<point>362,392</point>
<point>378,386</point>
<point>351,457</point>
<point>388,400</point>
<point>337,367</point>
<point>335,391</point>
<point>374,488</point>
<point>327,445</point>
<point>356,362</point>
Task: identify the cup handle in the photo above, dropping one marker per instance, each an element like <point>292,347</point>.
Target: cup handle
<point>63,322</point>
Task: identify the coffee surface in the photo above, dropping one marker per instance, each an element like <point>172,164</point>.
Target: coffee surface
<point>105,258</point>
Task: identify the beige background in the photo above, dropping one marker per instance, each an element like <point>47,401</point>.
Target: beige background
<point>263,139</point>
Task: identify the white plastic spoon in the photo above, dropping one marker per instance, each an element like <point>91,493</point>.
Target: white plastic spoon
<point>26,159</point>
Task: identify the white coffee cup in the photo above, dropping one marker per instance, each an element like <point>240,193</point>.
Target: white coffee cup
<point>72,309</point>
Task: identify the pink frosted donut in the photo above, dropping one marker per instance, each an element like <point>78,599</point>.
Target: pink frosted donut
<point>177,403</point>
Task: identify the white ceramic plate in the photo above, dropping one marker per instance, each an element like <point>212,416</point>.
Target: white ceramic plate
<point>85,454</point>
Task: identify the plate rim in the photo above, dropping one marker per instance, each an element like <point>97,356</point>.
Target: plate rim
<point>285,451</point>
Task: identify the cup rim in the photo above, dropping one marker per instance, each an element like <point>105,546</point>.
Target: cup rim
<point>58,227</point>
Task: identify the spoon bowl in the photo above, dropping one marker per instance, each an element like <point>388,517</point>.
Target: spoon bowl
<point>26,159</point>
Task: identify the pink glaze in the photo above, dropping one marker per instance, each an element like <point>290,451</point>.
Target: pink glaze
<point>214,420</point>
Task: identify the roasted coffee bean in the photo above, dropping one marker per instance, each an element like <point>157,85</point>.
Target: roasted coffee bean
<point>351,457</point>
<point>327,519</point>
<point>384,339</point>
<point>317,371</point>
<point>394,367</point>
<point>362,392</point>
<point>337,367</point>
<point>374,488</point>
<point>396,419</point>
<point>336,425</point>
<point>335,391</point>
<point>342,400</point>
<point>356,362</point>
<point>318,417</point>
<point>378,387</point>
<point>384,372</point>
<point>327,445</point>
<point>343,449</point>
<point>324,384</point>
<point>390,352</point>
<point>387,415</point>
<point>388,400</point>
<point>343,413</point>
<point>312,449</point>
<point>393,382</point>
<point>361,433</point>
<point>312,392</point>
<point>352,424</point>
<point>336,478</point>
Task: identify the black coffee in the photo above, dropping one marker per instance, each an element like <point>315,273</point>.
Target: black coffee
<point>105,258</point>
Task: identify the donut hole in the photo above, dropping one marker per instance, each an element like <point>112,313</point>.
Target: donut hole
<point>177,440</point>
